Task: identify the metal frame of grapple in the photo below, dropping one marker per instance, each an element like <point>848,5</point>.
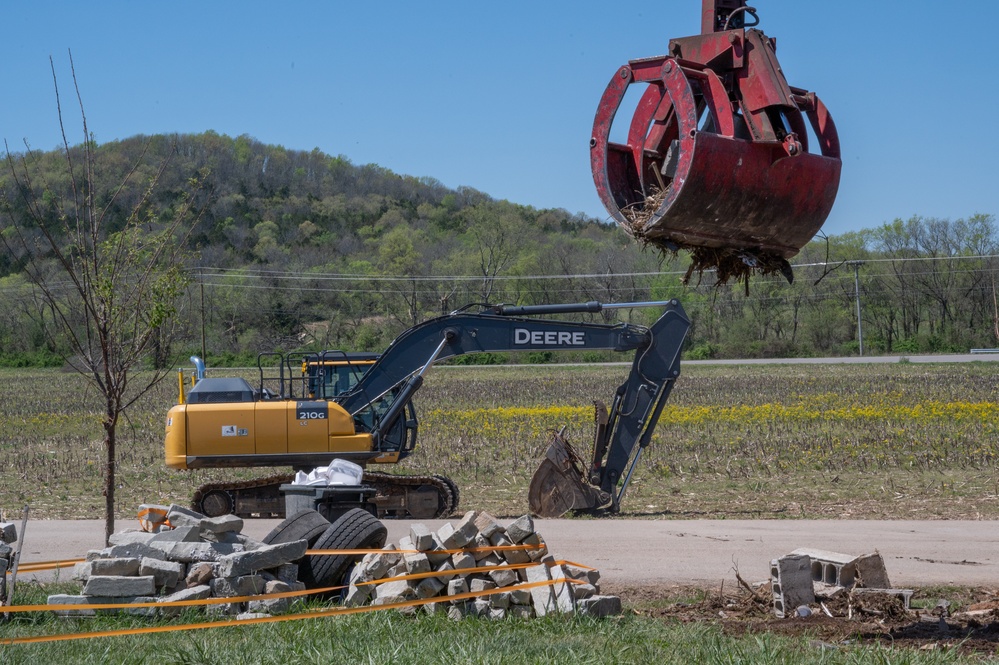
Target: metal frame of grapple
<point>721,138</point>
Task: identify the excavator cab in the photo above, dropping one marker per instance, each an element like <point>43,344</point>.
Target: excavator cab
<point>722,156</point>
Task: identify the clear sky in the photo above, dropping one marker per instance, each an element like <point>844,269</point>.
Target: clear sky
<point>501,96</point>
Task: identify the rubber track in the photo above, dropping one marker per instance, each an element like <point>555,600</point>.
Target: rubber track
<point>382,482</point>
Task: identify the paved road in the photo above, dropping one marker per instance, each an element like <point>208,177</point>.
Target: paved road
<point>694,552</point>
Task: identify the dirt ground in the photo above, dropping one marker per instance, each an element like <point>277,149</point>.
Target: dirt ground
<point>962,619</point>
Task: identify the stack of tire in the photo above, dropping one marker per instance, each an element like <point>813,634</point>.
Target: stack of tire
<point>356,529</point>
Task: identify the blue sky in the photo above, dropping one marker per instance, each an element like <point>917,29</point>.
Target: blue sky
<point>501,96</point>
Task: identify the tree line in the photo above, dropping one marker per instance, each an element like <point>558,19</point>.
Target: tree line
<point>298,250</point>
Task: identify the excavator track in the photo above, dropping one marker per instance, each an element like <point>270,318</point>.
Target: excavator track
<point>416,497</point>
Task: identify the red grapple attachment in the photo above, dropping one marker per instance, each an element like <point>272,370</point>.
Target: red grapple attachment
<point>717,153</point>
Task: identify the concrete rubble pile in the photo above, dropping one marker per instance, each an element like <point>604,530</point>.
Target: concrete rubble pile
<point>806,577</point>
<point>195,558</point>
<point>423,551</point>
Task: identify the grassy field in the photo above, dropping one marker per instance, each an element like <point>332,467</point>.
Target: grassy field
<point>873,441</point>
<point>887,441</point>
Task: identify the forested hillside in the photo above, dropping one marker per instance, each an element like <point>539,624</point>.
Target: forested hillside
<point>303,251</point>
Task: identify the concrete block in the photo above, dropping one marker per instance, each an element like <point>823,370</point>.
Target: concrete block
<point>830,567</point>
<point>459,611</point>
<point>481,545</point>
<point>457,586</point>
<point>421,537</point>
<point>429,587</point>
<point>165,573</point>
<point>504,578</point>
<point>180,534</point>
<point>479,584</point>
<point>199,592</point>
<point>250,614</point>
<point>462,560</point>
<point>130,551</point>
<point>127,536</point>
<point>269,556</point>
<point>271,605</point>
<point>791,583</point>
<point>287,573</point>
<point>195,552</point>
<point>516,556</point>
<point>487,525</point>
<point>218,610</point>
<point>580,591</point>
<point>520,611</point>
<point>434,608</point>
<point>871,572</point>
<point>229,538</point>
<point>249,544</point>
<point>541,596</point>
<point>565,599</point>
<point>417,563</point>
<point>599,606</point>
<point>449,538</point>
<point>222,524</point>
<point>490,560</point>
<point>118,566</point>
<point>905,595</point>
<point>64,599</point>
<point>393,592</point>
<point>466,526</point>
<point>480,607</point>
<point>230,587</point>
<point>538,550</point>
<point>520,596</point>
<point>496,613</point>
<point>406,544</point>
<point>118,585</point>
<point>500,600</point>
<point>181,516</point>
<point>587,575</point>
<point>8,532</point>
<point>94,554</point>
<point>520,528</point>
<point>444,569</point>
<point>357,595</point>
<point>81,571</point>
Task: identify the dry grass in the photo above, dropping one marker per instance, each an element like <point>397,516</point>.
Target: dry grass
<point>862,441</point>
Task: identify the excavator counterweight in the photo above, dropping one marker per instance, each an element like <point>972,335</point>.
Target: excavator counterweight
<point>718,156</point>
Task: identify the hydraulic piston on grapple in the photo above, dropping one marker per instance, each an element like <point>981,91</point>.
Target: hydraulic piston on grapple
<point>718,154</point>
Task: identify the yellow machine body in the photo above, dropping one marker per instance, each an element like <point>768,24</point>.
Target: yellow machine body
<point>261,433</point>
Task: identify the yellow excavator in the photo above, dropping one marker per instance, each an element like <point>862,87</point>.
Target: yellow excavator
<point>723,158</point>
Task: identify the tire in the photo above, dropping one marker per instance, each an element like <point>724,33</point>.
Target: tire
<point>354,530</point>
<point>306,525</point>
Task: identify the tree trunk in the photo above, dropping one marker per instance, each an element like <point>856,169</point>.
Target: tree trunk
<point>109,479</point>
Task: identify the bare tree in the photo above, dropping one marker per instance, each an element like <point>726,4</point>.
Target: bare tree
<point>107,260</point>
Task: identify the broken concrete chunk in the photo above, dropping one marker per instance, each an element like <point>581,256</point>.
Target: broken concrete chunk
<point>131,551</point>
<point>181,534</point>
<point>357,595</point>
<point>478,585</point>
<point>417,563</point>
<point>871,572</point>
<point>195,552</point>
<point>462,560</point>
<point>200,592</point>
<point>181,516</point>
<point>127,536</point>
<point>269,556</point>
<point>791,583</point>
<point>199,574</point>
<point>118,585</point>
<point>503,578</point>
<point>457,586</point>
<point>222,524</point>
<point>599,606</point>
<point>466,527</point>
<point>125,566</point>
<point>429,587</point>
<point>231,587</point>
<point>165,573</point>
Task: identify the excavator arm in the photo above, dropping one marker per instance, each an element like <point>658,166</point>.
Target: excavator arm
<point>637,404</point>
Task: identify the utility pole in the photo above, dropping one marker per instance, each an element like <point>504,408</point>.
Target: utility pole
<point>856,282</point>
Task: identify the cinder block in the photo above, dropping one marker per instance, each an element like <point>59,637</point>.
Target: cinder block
<point>904,594</point>
<point>791,583</point>
<point>871,572</point>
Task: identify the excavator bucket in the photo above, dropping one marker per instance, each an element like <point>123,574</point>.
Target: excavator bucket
<point>558,486</point>
<point>718,157</point>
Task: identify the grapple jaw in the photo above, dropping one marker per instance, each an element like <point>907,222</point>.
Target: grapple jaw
<point>718,153</point>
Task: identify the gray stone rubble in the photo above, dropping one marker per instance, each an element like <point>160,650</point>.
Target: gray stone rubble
<point>495,591</point>
<point>198,558</point>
